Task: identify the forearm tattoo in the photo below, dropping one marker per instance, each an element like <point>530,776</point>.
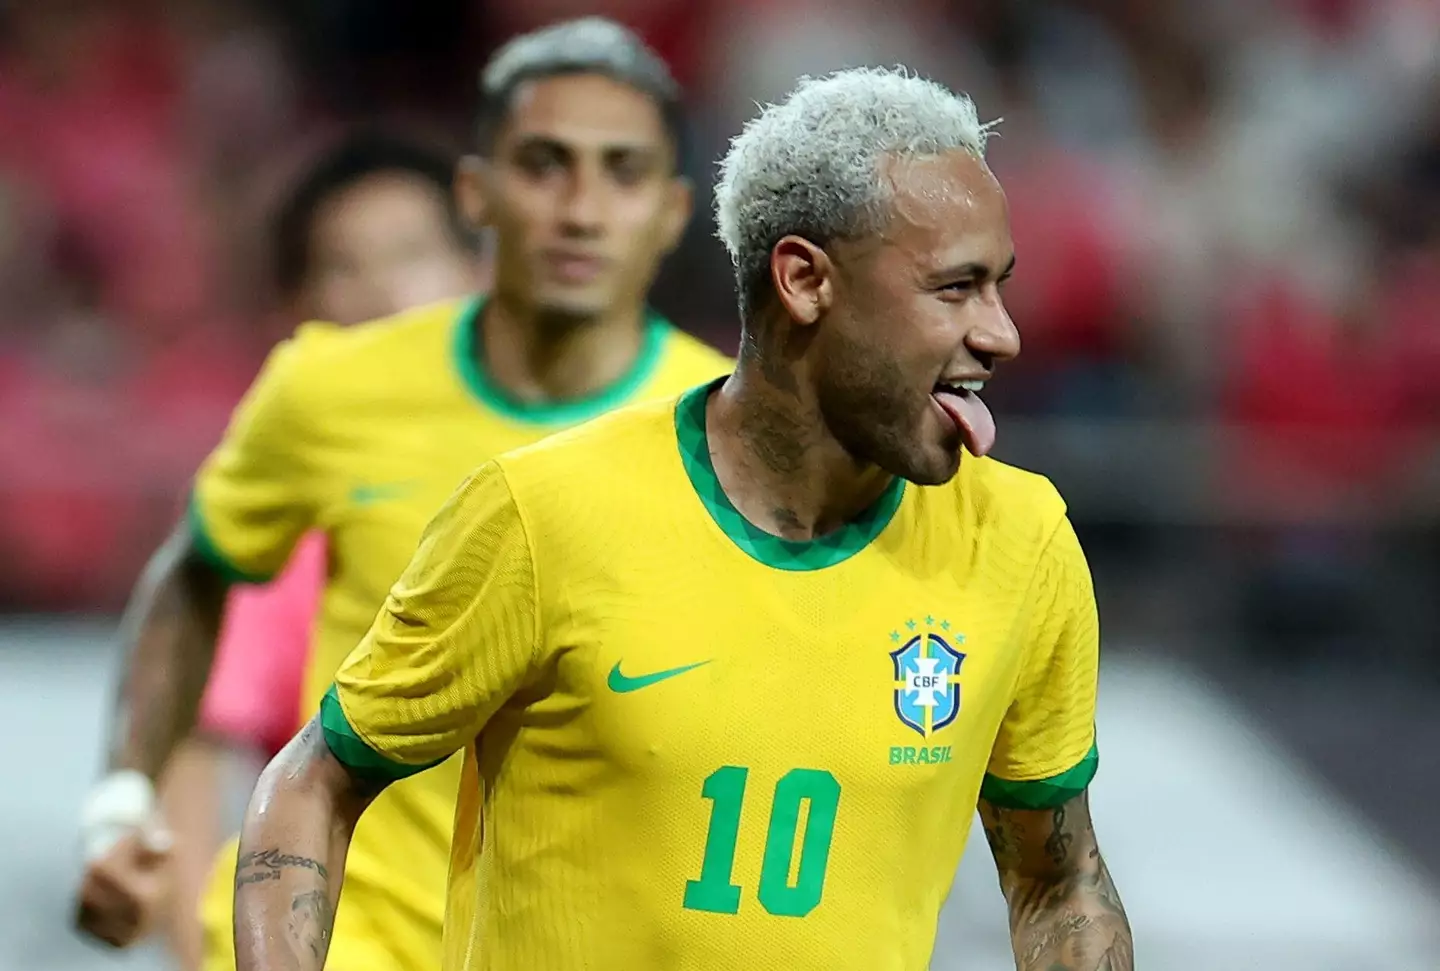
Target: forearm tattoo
<point>1065,913</point>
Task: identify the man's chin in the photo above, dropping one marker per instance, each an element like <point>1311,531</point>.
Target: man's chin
<point>934,475</point>
<point>933,466</point>
<point>571,305</point>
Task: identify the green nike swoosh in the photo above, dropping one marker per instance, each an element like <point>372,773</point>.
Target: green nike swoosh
<point>620,684</point>
<point>364,495</point>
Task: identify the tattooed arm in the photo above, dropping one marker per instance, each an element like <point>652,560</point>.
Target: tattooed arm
<point>1065,913</point>
<point>292,855</point>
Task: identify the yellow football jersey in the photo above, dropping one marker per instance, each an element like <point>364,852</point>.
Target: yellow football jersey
<point>363,432</point>
<point>691,744</point>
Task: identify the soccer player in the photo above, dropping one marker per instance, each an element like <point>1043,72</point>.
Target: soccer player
<point>732,703</point>
<point>368,230</point>
<point>364,431</point>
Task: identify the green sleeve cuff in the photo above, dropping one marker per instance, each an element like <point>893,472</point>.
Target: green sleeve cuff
<point>353,752</point>
<point>205,547</point>
<point>1042,793</point>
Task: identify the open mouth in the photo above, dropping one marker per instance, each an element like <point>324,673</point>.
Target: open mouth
<point>960,400</point>
<point>960,388</point>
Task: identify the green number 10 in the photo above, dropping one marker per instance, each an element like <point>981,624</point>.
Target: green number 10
<point>725,788</point>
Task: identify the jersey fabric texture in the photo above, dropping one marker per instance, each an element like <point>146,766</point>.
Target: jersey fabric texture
<point>361,433</point>
<point>691,743</point>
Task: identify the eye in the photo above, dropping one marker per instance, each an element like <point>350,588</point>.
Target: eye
<point>959,286</point>
<point>629,168</point>
<point>539,160</point>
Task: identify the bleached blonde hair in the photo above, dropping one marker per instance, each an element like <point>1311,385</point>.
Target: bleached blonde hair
<point>811,165</point>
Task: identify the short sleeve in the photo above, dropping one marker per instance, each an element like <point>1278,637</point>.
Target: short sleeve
<point>1045,752</point>
<point>253,695</point>
<point>457,636</point>
<point>256,494</point>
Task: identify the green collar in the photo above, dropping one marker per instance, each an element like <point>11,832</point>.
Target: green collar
<point>468,351</point>
<point>773,551</point>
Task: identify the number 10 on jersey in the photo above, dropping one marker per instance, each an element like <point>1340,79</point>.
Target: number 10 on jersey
<point>725,789</point>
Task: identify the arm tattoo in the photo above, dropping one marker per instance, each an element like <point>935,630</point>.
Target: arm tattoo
<point>312,915</point>
<point>264,865</point>
<point>1065,913</point>
<point>311,918</point>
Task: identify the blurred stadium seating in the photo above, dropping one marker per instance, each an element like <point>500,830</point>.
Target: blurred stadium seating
<point>1228,223</point>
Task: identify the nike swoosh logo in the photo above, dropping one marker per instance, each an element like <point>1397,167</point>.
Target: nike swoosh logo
<point>620,684</point>
<point>365,495</point>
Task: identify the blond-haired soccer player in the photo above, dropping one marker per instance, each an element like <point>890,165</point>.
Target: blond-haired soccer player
<point>733,704</point>
<point>363,432</point>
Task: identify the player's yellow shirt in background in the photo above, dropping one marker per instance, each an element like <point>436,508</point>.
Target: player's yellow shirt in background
<point>363,432</point>
<point>695,745</point>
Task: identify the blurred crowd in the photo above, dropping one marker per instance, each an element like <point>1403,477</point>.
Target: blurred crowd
<point>1227,217</point>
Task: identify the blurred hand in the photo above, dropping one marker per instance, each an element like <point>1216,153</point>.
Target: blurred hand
<point>124,891</point>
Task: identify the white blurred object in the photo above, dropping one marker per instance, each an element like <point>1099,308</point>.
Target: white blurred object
<point>117,806</point>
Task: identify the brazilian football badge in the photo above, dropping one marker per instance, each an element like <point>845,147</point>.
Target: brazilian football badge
<point>927,675</point>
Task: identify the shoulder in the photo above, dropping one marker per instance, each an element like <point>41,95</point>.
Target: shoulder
<point>622,443</point>
<point>568,492</point>
<point>325,369</point>
<point>1010,505</point>
<point>1009,488</point>
<point>595,477</point>
<point>325,348</point>
<point>681,362</point>
<point>684,352</point>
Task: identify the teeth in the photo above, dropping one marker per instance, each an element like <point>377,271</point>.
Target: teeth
<point>971,385</point>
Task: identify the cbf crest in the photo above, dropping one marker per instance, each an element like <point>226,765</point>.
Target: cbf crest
<point>927,675</point>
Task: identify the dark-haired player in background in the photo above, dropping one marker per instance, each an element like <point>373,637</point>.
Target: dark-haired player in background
<point>369,229</point>
<point>364,432</point>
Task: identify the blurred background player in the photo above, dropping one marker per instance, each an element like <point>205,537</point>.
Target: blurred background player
<point>364,431</point>
<point>368,230</point>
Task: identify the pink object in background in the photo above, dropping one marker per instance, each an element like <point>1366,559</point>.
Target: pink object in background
<point>254,691</point>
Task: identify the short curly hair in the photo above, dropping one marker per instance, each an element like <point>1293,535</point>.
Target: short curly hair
<point>811,165</point>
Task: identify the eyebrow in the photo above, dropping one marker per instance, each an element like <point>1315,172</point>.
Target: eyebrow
<point>980,271</point>
<point>553,143</point>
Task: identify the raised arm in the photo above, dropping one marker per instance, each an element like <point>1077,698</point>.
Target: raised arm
<point>1065,913</point>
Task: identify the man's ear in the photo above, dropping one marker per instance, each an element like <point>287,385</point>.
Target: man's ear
<point>679,208</point>
<point>472,196</point>
<point>802,275</point>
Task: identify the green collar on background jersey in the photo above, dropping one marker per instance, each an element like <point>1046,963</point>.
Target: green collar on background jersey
<point>782,554</point>
<point>469,353</point>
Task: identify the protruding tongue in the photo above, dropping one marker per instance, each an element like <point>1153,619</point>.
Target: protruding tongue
<point>974,419</point>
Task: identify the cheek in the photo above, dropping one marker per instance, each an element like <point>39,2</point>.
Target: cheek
<point>335,299</point>
<point>526,213</point>
<point>865,375</point>
<point>436,277</point>
<point>641,223</point>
